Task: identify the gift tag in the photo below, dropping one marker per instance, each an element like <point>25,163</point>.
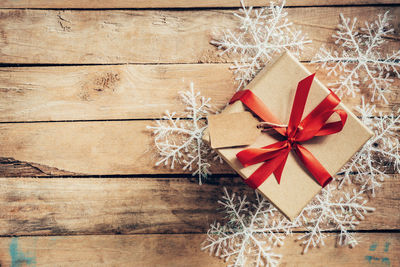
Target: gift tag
<point>232,129</point>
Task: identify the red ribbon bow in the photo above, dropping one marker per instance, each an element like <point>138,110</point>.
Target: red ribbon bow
<point>274,156</point>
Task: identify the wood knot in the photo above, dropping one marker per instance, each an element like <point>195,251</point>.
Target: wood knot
<point>99,84</point>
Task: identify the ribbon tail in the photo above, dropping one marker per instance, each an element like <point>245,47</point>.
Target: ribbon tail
<point>265,170</point>
<point>252,156</point>
<point>313,166</point>
<point>278,171</point>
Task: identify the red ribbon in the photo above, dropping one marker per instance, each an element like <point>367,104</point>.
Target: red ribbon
<point>274,156</point>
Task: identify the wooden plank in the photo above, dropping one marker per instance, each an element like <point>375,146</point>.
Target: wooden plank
<point>82,148</point>
<point>121,91</point>
<point>175,3</point>
<point>364,254</point>
<point>104,36</point>
<point>376,249</point>
<point>99,148</point>
<point>107,92</point>
<point>72,206</point>
<point>107,206</point>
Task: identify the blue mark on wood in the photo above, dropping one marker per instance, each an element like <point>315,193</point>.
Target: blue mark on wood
<point>18,257</point>
<point>371,258</point>
<point>386,261</point>
<point>373,247</point>
<point>387,244</point>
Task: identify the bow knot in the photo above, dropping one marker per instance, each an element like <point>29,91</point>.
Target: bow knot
<point>291,140</point>
<point>314,124</point>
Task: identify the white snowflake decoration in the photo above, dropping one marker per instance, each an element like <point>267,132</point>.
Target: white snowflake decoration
<point>332,210</point>
<point>179,141</point>
<point>262,34</point>
<point>361,56</point>
<point>252,230</point>
<point>255,227</point>
<point>382,152</point>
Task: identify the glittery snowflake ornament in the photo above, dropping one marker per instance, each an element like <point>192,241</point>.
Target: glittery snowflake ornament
<point>253,229</point>
<point>333,211</point>
<point>263,33</point>
<point>359,61</point>
<point>380,155</point>
<point>179,141</point>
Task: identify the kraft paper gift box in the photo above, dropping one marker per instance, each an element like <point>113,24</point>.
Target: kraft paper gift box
<point>276,86</point>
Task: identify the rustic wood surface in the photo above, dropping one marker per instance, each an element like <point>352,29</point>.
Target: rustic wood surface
<point>121,91</point>
<point>138,205</point>
<point>77,89</point>
<point>84,147</point>
<point>117,36</point>
<point>174,3</point>
<point>182,250</point>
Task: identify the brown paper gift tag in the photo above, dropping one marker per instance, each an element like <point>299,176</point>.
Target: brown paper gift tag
<point>276,86</point>
<point>232,129</point>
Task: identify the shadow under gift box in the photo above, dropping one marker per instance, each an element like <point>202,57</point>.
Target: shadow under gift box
<point>276,86</point>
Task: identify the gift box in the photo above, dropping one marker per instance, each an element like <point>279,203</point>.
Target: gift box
<point>288,125</point>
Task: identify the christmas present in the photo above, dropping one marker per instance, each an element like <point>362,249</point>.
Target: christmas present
<point>286,134</point>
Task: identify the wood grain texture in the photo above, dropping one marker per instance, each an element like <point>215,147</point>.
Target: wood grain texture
<point>73,206</point>
<point>82,148</point>
<point>175,3</point>
<point>184,250</point>
<point>331,255</point>
<point>125,221</point>
<point>123,91</point>
<point>107,92</point>
<point>10,167</point>
<point>107,206</point>
<point>100,148</point>
<point>104,36</point>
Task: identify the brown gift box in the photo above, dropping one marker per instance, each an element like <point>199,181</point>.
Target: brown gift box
<point>276,86</point>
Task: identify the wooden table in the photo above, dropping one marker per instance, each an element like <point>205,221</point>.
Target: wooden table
<point>78,87</point>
